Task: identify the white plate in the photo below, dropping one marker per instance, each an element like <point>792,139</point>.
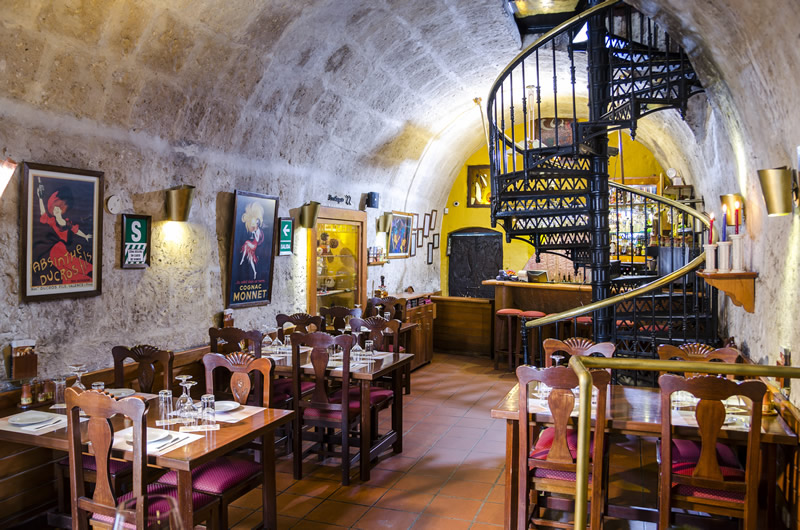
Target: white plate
<point>30,417</point>
<point>226,406</point>
<point>121,392</point>
<point>153,435</point>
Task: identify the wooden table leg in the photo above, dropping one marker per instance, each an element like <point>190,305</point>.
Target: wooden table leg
<point>512,464</point>
<point>770,477</point>
<point>268,488</point>
<point>366,429</point>
<point>185,505</point>
<point>397,408</point>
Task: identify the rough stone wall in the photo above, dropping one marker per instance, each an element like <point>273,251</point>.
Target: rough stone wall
<point>294,98</point>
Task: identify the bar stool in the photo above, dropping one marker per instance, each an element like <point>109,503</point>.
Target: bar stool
<point>505,323</point>
<point>533,345</point>
<point>581,324</point>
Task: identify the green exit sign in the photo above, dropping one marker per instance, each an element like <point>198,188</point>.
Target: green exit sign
<point>285,236</point>
<point>135,241</point>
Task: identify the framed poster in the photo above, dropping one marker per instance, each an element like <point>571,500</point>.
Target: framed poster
<point>135,241</point>
<point>252,251</point>
<point>545,132</point>
<point>412,247</point>
<point>436,240</point>
<point>400,235</point>
<point>415,223</point>
<point>420,238</point>
<point>426,225</point>
<point>430,253</point>
<point>61,232</point>
<point>434,216</point>
<point>479,189</point>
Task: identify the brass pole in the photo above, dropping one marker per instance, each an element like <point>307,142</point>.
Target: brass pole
<point>581,366</point>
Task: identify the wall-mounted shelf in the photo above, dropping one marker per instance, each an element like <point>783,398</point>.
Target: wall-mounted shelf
<point>373,263</point>
<point>739,286</point>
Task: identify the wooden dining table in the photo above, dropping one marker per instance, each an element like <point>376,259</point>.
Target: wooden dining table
<point>632,411</point>
<point>184,459</point>
<point>385,364</point>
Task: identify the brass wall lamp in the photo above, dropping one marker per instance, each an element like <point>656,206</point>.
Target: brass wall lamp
<point>385,222</point>
<point>308,215</point>
<point>779,188</point>
<point>179,202</point>
<point>733,201</point>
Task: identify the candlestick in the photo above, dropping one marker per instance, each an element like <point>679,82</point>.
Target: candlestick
<point>711,257</point>
<point>737,253</point>
<point>736,219</point>
<point>724,256</point>
<point>724,229</point>
<point>711,231</point>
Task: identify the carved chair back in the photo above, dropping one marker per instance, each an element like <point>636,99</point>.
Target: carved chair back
<point>710,415</point>
<point>695,352</point>
<point>146,356</point>
<point>573,346</point>
<point>336,317</point>
<point>377,332</point>
<point>379,306</point>
<point>100,407</point>
<point>229,340</point>
<point>241,365</point>
<point>303,322</point>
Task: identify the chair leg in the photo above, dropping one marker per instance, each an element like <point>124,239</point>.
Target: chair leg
<point>346,455</point>
<point>223,515</point>
<point>496,345</point>
<point>512,342</point>
<point>297,457</point>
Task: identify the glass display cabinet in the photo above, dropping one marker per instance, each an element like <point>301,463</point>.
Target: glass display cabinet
<point>337,260</point>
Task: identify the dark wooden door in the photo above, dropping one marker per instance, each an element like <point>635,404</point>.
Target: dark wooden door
<point>476,254</point>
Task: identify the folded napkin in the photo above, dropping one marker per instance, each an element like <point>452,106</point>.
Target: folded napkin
<point>337,365</point>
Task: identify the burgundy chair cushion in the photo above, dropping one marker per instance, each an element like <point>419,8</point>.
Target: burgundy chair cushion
<point>584,320</point>
<point>542,447</point>
<point>199,500</point>
<point>532,314</point>
<point>710,494</point>
<point>689,451</point>
<point>217,476</point>
<point>331,415</point>
<point>376,394</point>
<point>391,348</point>
<point>89,464</point>
<point>557,474</point>
<point>284,386</point>
<point>508,311</point>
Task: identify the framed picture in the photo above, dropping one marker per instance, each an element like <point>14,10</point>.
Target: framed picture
<point>479,189</point>
<point>252,251</point>
<point>400,235</point>
<point>436,240</point>
<point>61,232</point>
<point>420,238</point>
<point>415,223</point>
<point>430,253</point>
<point>434,216</point>
<point>136,241</point>
<point>412,248</point>
<point>426,225</point>
<point>545,131</point>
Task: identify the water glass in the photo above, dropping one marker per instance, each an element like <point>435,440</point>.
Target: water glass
<point>59,386</point>
<point>162,512</point>
<point>165,403</point>
<point>98,385</point>
<point>387,315</point>
<point>207,410</point>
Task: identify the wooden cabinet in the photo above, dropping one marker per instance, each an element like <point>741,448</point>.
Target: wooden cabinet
<point>419,340</point>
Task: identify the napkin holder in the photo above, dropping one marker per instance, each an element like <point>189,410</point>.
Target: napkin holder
<point>23,362</point>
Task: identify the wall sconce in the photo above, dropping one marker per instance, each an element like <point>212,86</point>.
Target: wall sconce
<point>7,168</point>
<point>179,202</point>
<point>308,214</point>
<point>730,201</point>
<point>777,186</point>
<point>385,222</point>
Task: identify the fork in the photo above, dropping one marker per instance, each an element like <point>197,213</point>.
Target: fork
<point>48,424</point>
<point>175,441</point>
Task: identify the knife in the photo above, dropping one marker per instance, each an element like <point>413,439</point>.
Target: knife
<point>177,439</point>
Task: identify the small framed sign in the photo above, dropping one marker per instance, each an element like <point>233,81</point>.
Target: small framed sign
<point>135,241</point>
<point>430,253</point>
<point>285,236</point>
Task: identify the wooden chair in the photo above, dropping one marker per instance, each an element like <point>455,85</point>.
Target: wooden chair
<point>576,346</point>
<point>302,323</point>
<point>335,317</point>
<point>228,478</point>
<point>121,471</point>
<point>229,340</point>
<point>146,356</point>
<point>708,481</point>
<point>379,306</point>
<point>322,412</point>
<point>100,407</point>
<point>698,353</point>
<point>547,458</point>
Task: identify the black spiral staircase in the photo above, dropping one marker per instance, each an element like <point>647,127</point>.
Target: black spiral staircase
<point>548,149</point>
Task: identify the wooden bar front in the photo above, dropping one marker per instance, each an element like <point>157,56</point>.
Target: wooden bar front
<point>546,297</point>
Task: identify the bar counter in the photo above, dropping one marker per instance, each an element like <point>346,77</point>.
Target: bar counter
<point>546,297</point>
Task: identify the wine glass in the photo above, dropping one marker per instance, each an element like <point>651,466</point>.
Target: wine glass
<point>185,397</point>
<point>78,369</point>
<point>356,352</point>
<point>161,511</point>
<point>276,346</point>
<point>187,409</point>
<point>556,358</point>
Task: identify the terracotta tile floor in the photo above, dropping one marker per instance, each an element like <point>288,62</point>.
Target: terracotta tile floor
<point>450,474</point>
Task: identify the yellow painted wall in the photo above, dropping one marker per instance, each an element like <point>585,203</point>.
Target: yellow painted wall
<point>638,162</point>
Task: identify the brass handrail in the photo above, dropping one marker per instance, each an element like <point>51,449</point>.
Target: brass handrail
<point>581,366</point>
